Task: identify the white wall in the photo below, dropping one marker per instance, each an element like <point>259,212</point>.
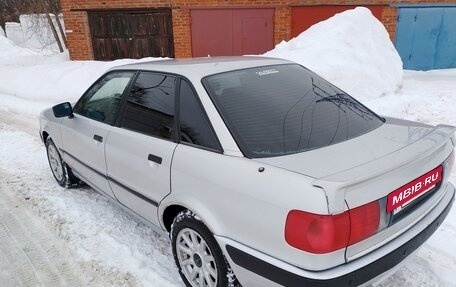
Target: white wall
<point>34,32</point>
<point>14,33</point>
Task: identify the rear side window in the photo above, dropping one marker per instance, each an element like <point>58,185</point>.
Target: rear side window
<point>150,105</point>
<point>286,109</point>
<point>194,125</point>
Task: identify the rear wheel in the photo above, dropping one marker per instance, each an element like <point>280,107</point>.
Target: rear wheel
<point>197,255</point>
<point>62,173</point>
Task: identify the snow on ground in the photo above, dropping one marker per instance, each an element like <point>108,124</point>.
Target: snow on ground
<point>114,249</point>
<point>108,242</point>
<point>11,54</point>
<point>428,97</point>
<point>30,253</point>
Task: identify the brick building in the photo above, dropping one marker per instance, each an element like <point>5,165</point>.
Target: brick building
<point>109,29</point>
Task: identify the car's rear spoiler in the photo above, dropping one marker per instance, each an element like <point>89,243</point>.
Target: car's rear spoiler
<point>375,179</point>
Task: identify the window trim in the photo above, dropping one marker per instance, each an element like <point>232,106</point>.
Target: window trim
<point>206,117</point>
<point>176,132</point>
<point>233,131</point>
<point>127,89</point>
<point>123,105</point>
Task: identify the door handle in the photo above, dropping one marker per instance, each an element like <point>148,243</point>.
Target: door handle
<point>98,138</point>
<point>155,158</point>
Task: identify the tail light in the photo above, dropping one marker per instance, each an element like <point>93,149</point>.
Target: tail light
<point>320,234</point>
<point>364,221</point>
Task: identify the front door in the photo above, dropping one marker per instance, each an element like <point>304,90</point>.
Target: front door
<point>84,135</point>
<point>139,152</point>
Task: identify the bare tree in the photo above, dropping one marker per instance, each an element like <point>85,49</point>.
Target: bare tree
<point>62,33</point>
<point>53,7</point>
<point>9,11</point>
<point>48,8</point>
<point>54,31</point>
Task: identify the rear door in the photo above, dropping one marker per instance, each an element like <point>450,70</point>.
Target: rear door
<point>140,149</point>
<point>84,134</point>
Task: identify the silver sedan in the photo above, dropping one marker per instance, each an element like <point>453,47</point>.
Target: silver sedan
<point>262,172</point>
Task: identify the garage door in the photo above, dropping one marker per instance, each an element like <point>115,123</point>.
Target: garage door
<point>426,37</point>
<point>131,34</point>
<point>303,17</point>
<point>231,32</point>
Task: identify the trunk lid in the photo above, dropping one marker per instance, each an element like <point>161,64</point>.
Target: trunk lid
<point>368,168</point>
<point>371,166</point>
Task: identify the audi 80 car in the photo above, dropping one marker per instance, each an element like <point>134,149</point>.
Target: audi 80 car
<point>262,172</point>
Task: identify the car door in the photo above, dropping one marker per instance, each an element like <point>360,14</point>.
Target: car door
<point>139,150</point>
<point>84,134</point>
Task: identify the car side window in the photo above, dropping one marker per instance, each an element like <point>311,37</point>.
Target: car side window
<point>194,124</point>
<point>150,105</point>
<point>102,101</point>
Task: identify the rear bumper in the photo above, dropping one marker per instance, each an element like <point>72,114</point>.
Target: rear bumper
<point>254,268</point>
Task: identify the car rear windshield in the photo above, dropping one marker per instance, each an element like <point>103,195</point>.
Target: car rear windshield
<point>286,109</point>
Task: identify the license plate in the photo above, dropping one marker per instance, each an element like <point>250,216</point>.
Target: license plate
<point>404,195</point>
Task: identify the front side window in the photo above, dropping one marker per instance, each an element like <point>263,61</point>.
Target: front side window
<point>286,109</point>
<point>194,125</point>
<point>102,101</point>
<point>150,105</point>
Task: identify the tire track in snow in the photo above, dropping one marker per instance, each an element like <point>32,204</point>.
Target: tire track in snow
<point>110,247</point>
<point>31,255</point>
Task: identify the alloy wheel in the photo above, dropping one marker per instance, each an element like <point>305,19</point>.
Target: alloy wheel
<point>196,259</point>
<point>55,162</point>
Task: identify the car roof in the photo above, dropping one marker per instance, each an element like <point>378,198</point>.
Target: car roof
<point>203,66</point>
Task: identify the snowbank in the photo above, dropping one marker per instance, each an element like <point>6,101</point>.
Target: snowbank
<point>427,97</point>
<point>43,79</point>
<point>351,50</point>
<point>48,84</point>
<point>11,54</point>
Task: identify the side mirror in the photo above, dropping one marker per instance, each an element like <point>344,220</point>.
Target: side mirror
<point>63,110</point>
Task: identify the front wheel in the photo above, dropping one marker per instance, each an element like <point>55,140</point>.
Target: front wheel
<point>197,255</point>
<point>62,173</point>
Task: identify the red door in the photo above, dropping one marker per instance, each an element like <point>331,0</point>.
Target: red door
<point>303,17</point>
<point>231,32</point>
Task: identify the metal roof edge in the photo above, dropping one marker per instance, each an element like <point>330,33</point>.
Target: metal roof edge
<point>423,5</point>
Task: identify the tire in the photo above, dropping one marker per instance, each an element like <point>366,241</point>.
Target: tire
<point>204,261</point>
<point>60,170</point>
